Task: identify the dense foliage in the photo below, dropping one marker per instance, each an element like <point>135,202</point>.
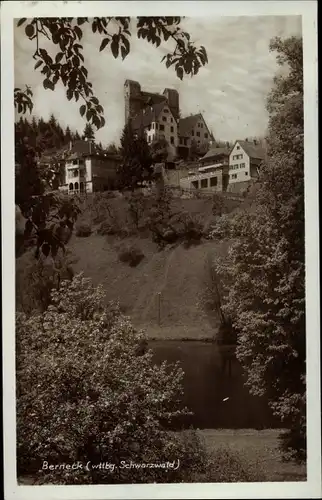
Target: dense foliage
<point>136,156</point>
<point>265,273</point>
<point>66,62</point>
<point>87,390</point>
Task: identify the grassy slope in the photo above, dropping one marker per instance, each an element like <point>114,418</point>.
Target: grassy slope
<point>177,273</point>
<point>257,447</point>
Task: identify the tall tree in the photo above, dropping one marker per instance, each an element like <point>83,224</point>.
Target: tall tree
<point>88,132</point>
<point>266,293</point>
<point>69,68</point>
<point>136,159</point>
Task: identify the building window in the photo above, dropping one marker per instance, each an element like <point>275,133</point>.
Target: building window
<point>156,126</point>
<point>71,187</point>
<point>195,184</point>
<point>82,187</point>
<point>198,134</point>
<point>246,173</point>
<point>171,119</point>
<point>166,110</point>
<point>75,162</point>
<point>172,140</point>
<point>161,127</point>
<point>152,125</point>
<point>237,147</point>
<point>206,136</point>
<point>192,132</point>
<point>171,129</point>
<point>164,118</point>
<point>204,183</point>
<point>213,181</point>
<point>234,176</point>
<point>76,186</point>
<point>242,165</point>
<point>201,125</point>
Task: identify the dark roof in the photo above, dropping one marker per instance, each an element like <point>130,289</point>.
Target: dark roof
<point>78,149</point>
<point>253,150</point>
<point>187,124</point>
<point>147,115</point>
<point>212,153</point>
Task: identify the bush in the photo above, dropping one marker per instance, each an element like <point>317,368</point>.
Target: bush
<point>112,227</point>
<point>131,255</point>
<point>137,208</point>
<point>83,230</point>
<point>221,228</point>
<point>35,280</point>
<point>87,391</point>
<point>217,204</point>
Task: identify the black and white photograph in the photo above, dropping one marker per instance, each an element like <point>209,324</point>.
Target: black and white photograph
<point>160,252</point>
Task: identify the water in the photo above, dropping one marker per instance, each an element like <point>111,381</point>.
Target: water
<point>214,389</point>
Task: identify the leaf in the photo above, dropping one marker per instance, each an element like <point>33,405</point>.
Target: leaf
<point>21,21</point>
<point>69,94</point>
<point>180,73</point>
<point>115,47</point>
<point>38,63</point>
<point>46,83</point>
<point>30,30</point>
<point>78,32</point>
<point>104,43</point>
<point>59,57</point>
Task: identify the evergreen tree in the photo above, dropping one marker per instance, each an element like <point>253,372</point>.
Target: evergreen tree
<point>137,161</point>
<point>68,134</point>
<point>88,132</point>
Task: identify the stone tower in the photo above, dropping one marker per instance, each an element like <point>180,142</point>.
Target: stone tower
<point>132,98</point>
<point>172,97</point>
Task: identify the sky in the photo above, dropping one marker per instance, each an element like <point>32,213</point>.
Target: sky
<point>230,91</point>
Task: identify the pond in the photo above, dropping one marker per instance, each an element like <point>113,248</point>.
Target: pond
<point>214,388</point>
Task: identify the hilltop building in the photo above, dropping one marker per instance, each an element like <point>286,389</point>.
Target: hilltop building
<point>84,167</point>
<point>158,116</point>
<point>212,172</point>
<point>244,161</point>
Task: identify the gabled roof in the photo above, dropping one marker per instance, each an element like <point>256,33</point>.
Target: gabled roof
<point>78,149</point>
<point>253,150</point>
<point>212,153</point>
<point>148,115</point>
<point>187,124</point>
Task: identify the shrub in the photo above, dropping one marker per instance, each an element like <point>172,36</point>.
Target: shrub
<point>113,227</point>
<point>217,204</point>
<point>131,255</point>
<point>83,230</point>
<point>221,228</point>
<point>87,391</point>
<point>35,280</point>
<point>137,208</point>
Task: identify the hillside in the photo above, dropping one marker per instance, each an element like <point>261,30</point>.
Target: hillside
<point>178,274</point>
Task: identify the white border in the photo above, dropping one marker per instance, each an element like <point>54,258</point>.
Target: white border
<point>308,9</point>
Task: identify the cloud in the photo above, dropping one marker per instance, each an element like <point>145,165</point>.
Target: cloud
<point>230,91</point>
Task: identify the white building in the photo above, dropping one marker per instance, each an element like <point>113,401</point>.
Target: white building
<point>244,161</point>
<point>158,122</point>
<point>88,169</point>
<point>211,174</point>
